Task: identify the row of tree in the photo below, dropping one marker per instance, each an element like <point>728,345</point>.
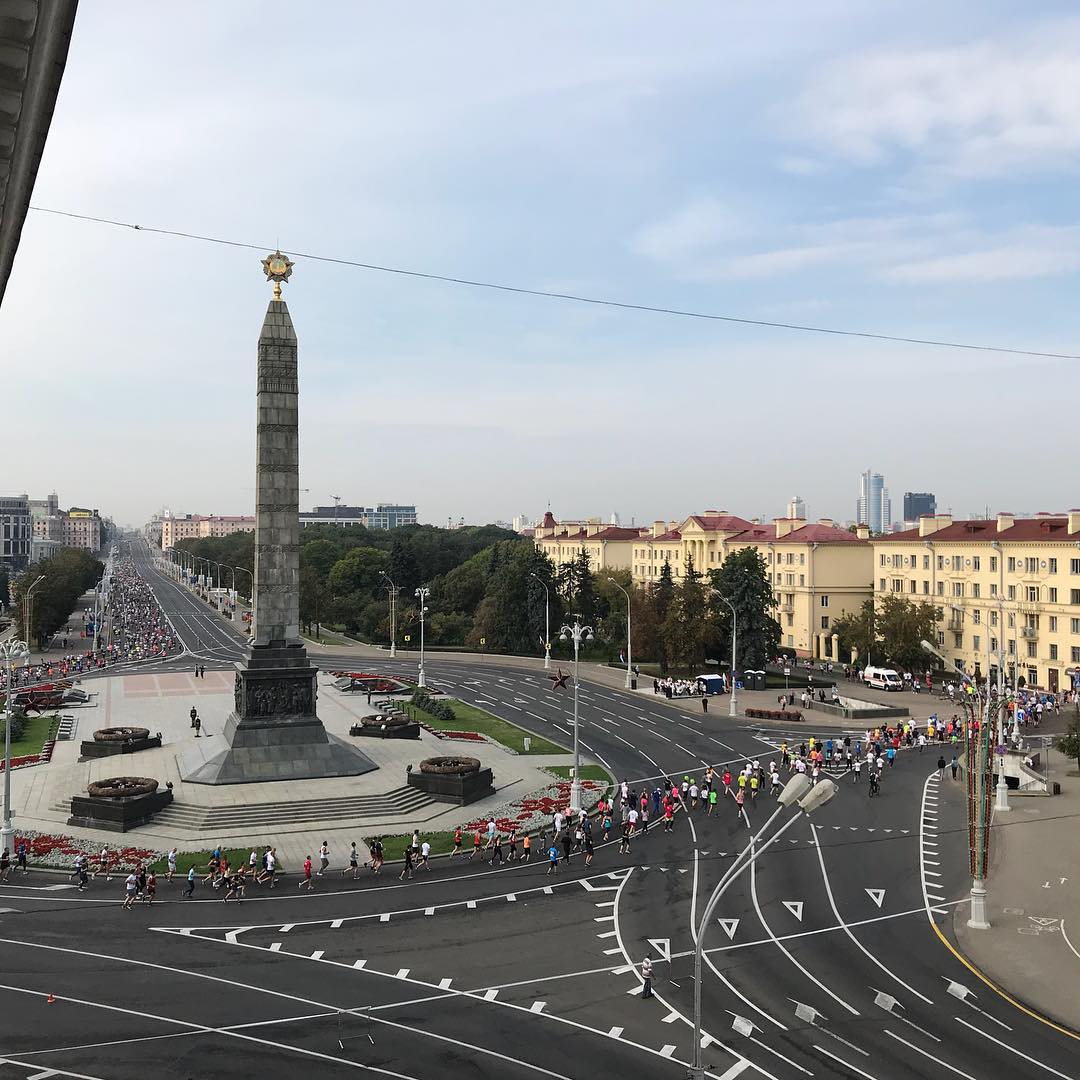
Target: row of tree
<point>889,632</point>
<point>64,576</point>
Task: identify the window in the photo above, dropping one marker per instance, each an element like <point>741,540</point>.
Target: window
<point>802,579</point>
<point>884,562</point>
<point>1053,652</point>
<point>958,588</point>
<point>941,562</point>
<point>993,588</point>
<point>941,588</point>
<point>1011,620</point>
<point>976,616</point>
<point>1053,566</point>
<point>1032,649</point>
<point>913,561</point>
<point>976,590</point>
<point>976,643</point>
<point>1032,594</point>
<point>897,584</point>
<point>958,562</point>
<point>926,562</point>
<point>1012,565</point>
<point>993,618</point>
<point>1052,595</point>
<point>940,638</point>
<point>1012,647</point>
<point>1012,592</point>
<point>975,563</point>
<point>1074,596</point>
<point>993,564</point>
<point>911,585</point>
<point>993,644</point>
<point>958,641</point>
<point>926,587</point>
<point>1075,654</point>
<point>802,558</point>
<point>824,601</point>
<point>881,588</point>
<point>1074,626</point>
<point>791,620</point>
<point>1074,566</point>
<point>824,622</point>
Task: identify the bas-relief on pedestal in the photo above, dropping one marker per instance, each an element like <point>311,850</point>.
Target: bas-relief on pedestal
<point>274,732</point>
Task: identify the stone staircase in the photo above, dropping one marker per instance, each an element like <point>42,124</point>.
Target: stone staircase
<point>181,817</point>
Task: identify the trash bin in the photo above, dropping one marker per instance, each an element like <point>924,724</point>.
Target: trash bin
<point>633,684</point>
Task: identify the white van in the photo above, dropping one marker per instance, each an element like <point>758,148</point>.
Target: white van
<point>882,678</point>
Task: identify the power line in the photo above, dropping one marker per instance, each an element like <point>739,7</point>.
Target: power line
<point>573,297</point>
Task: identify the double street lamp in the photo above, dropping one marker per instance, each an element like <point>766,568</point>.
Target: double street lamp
<point>734,642</point>
<point>422,594</point>
<point>629,661</point>
<point>808,796</point>
<point>10,651</point>
<point>547,621</point>
<point>577,634</point>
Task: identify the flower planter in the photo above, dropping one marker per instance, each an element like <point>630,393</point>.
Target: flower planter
<point>119,804</point>
<point>454,780</point>
<point>123,740</point>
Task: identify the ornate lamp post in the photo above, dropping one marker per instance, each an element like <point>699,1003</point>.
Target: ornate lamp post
<point>547,622</point>
<point>629,661</point>
<point>422,594</point>
<point>10,651</point>
<point>577,634</point>
<point>392,590</point>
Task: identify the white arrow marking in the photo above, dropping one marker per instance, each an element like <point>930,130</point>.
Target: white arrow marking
<point>729,927</point>
<point>662,946</point>
<point>1063,880</point>
<point>795,907</point>
<point>877,895</point>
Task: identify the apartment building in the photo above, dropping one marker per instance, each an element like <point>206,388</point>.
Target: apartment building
<point>818,570</point>
<point>1008,587</point>
<point>198,526</point>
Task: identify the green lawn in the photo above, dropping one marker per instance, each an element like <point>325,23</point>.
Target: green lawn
<point>36,732</point>
<point>470,718</point>
<point>441,844</point>
<point>587,772</point>
<point>184,859</point>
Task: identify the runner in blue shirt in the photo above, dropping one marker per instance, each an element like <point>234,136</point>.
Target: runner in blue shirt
<point>553,860</point>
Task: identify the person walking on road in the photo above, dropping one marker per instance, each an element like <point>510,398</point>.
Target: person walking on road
<point>306,882</point>
<point>190,890</point>
<point>941,767</point>
<point>407,870</point>
<point>193,714</point>
<point>198,726</point>
<point>324,858</point>
<point>354,862</point>
<point>646,975</point>
<point>131,887</point>
<point>553,859</point>
<point>954,765</point>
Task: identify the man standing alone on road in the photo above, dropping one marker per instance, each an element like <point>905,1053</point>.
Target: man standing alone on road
<point>646,975</point>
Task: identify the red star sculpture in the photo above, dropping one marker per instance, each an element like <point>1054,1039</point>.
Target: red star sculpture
<point>558,680</point>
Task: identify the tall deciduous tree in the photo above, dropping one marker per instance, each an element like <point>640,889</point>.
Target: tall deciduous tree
<point>901,625</point>
<point>686,626</point>
<point>855,629</point>
<point>744,580</point>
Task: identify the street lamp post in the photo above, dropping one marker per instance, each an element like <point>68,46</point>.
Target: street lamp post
<point>422,594</point>
<point>9,652</point>
<point>28,609</point>
<point>577,634</point>
<point>629,663</point>
<point>808,796</point>
<point>392,590</point>
<point>734,644</point>
<point>547,622</point>
<point>244,570</point>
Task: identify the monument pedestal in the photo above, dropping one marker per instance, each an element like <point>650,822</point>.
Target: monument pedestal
<point>274,732</point>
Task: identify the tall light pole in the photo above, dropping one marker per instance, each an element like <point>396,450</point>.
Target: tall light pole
<point>422,594</point>
<point>244,570</point>
<point>392,589</point>
<point>734,643</point>
<point>28,609</point>
<point>809,797</point>
<point>577,634</point>
<point>10,651</point>
<point>629,662</point>
<point>547,621</point>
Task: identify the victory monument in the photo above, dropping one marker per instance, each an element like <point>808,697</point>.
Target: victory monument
<point>274,732</point>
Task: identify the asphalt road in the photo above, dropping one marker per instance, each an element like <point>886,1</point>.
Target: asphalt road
<point>834,948</point>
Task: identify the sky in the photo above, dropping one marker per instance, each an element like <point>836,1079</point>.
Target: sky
<point>905,168</point>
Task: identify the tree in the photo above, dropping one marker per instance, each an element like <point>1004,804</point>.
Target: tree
<point>900,625</point>
<point>687,623</point>
<point>855,629</point>
<point>1069,743</point>
<point>744,580</point>
<point>404,568</point>
<point>582,601</point>
<point>5,589</point>
<point>65,577</point>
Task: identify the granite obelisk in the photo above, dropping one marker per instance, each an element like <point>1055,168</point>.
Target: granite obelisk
<point>274,732</point>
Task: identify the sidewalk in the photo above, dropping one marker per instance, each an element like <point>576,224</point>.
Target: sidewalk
<point>1031,950</point>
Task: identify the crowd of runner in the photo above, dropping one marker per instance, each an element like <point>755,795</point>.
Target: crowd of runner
<point>136,630</point>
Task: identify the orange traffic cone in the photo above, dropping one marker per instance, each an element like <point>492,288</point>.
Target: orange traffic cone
<point>50,1000</point>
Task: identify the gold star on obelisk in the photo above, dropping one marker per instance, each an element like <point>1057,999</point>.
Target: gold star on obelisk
<point>278,268</point>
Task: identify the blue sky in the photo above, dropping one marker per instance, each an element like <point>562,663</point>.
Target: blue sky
<point>901,167</point>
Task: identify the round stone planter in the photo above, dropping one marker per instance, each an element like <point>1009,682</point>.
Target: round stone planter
<point>119,803</point>
<point>119,740</point>
<point>458,780</point>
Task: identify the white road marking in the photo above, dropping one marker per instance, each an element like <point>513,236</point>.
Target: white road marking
<point>667,1049</point>
<point>926,1054</point>
<point>877,895</point>
<point>491,995</point>
<point>795,906</point>
<point>729,926</point>
<point>275,946</point>
<point>359,964</point>
<point>1012,1049</point>
<point>841,1061</point>
<point>511,898</point>
<point>444,984</point>
<point>336,924</point>
<point>537,1006</point>
<point>615,1032</point>
<point>736,1069</point>
<point>316,955</point>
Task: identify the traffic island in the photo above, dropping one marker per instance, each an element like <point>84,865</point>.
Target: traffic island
<point>119,804</point>
<point>457,780</point>
<point>118,740</point>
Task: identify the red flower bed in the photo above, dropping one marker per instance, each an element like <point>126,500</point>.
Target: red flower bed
<point>533,806</point>
<point>61,851</point>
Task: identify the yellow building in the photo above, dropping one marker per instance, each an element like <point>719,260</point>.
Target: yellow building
<point>818,571</point>
<point>199,526</point>
<point>1006,583</point>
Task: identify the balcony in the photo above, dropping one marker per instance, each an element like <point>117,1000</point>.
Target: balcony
<point>787,607</point>
<point>955,624</point>
<point>1029,633</point>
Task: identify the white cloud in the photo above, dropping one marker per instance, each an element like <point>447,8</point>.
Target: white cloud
<point>986,108</point>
